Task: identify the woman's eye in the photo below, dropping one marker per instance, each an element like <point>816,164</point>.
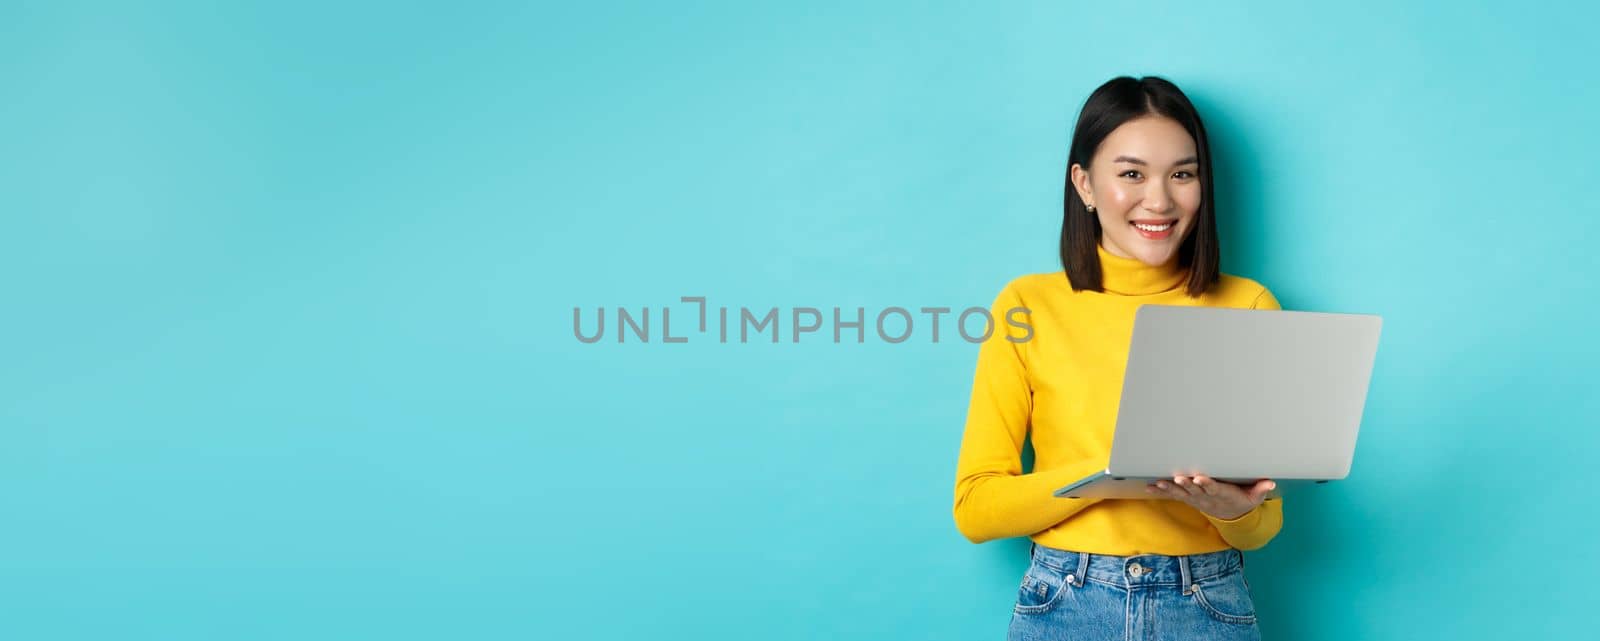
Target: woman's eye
<point>1183,175</point>
<point>1131,173</point>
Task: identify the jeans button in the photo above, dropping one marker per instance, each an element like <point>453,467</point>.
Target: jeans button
<point>1136,570</point>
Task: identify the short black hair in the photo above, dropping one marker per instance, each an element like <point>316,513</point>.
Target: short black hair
<point>1117,101</point>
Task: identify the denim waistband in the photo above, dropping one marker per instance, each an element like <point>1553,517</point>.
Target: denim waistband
<point>1139,569</point>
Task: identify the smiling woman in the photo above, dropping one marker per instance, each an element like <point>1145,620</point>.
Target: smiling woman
<point>1138,228</point>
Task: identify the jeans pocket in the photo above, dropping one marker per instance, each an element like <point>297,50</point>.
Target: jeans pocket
<point>1041,589</point>
<point>1226,598</point>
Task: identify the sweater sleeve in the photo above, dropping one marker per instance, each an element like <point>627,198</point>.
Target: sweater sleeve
<point>1255,528</point>
<point>993,498</point>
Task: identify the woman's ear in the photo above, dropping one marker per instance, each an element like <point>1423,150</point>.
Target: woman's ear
<point>1080,182</point>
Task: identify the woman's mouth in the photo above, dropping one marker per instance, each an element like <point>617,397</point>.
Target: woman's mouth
<point>1154,229</point>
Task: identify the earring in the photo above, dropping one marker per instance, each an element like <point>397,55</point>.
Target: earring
<point>1091,208</point>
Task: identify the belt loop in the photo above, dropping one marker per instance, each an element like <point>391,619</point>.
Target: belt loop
<point>1083,568</point>
<point>1183,571</point>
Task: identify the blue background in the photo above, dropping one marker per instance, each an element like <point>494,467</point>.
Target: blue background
<point>288,291</point>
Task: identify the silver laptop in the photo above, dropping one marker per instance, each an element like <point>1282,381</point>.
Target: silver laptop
<point>1238,395</point>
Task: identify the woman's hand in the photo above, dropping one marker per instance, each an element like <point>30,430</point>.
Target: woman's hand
<point>1220,499</point>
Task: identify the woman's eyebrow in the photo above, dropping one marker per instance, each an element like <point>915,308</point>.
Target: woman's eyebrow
<point>1191,160</point>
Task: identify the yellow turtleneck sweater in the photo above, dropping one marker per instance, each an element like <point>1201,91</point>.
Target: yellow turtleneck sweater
<point>1063,384</point>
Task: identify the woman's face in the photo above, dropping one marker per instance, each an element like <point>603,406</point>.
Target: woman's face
<point>1145,187</point>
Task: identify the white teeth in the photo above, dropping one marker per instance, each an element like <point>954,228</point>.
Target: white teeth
<point>1153,227</point>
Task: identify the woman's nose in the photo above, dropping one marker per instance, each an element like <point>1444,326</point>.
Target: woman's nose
<point>1156,200</point>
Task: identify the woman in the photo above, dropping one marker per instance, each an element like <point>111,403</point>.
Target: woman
<point>1139,228</point>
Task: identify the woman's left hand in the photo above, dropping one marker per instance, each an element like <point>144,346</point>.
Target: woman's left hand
<point>1220,499</point>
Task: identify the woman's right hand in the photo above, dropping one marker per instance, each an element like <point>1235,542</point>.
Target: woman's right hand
<point>1220,499</point>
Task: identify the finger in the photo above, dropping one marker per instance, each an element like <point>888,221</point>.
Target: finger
<point>1187,484</point>
<point>1258,492</point>
<point>1171,491</point>
<point>1228,491</point>
<point>1208,485</point>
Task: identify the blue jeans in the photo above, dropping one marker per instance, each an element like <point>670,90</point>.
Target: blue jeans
<point>1068,595</point>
